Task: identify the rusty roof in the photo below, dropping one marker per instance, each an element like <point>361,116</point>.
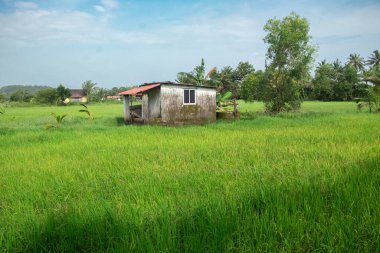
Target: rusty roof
<point>148,86</point>
<point>77,93</point>
<point>140,89</point>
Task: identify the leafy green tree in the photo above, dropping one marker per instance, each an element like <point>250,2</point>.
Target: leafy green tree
<point>242,70</point>
<point>322,82</point>
<point>252,86</point>
<point>356,61</point>
<point>47,96</point>
<point>99,94</point>
<point>342,81</point>
<point>337,82</point>
<point>2,97</point>
<point>88,87</point>
<point>290,54</point>
<point>349,79</point>
<point>359,90</point>
<point>63,93</point>
<point>21,96</point>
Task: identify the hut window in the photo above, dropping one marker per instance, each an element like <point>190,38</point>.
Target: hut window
<point>189,97</point>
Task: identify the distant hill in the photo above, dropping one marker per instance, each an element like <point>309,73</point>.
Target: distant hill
<point>31,89</point>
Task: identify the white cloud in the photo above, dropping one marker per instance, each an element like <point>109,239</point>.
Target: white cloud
<point>33,26</point>
<point>106,5</point>
<point>26,5</point>
<point>110,4</point>
<point>28,27</point>
<point>99,8</point>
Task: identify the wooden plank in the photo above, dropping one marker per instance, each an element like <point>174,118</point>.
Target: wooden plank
<point>127,112</point>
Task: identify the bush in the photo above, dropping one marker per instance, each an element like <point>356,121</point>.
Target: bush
<point>47,96</point>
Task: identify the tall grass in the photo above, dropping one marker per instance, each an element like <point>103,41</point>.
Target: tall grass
<point>299,182</point>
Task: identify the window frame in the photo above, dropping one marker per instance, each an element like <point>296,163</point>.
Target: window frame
<point>195,96</point>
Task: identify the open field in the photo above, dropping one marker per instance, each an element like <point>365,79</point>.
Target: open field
<point>307,181</point>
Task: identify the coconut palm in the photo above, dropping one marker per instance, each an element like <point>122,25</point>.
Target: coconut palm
<point>86,111</point>
<point>356,61</point>
<point>337,65</point>
<point>58,121</point>
<point>374,59</point>
<point>373,76</point>
<point>322,63</point>
<point>88,87</point>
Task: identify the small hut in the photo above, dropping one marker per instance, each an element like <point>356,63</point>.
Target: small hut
<point>170,103</point>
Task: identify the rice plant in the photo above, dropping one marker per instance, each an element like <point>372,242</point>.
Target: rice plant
<point>299,182</point>
<point>2,109</point>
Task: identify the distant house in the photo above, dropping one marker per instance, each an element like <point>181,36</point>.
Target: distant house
<point>170,103</point>
<point>115,97</point>
<point>78,96</point>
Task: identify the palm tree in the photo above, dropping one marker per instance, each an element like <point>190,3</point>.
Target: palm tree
<point>58,120</point>
<point>374,59</point>
<point>373,76</point>
<point>88,87</point>
<point>322,63</point>
<point>356,61</point>
<point>337,65</point>
<point>366,76</point>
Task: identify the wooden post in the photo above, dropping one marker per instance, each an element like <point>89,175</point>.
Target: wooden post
<point>127,112</point>
<point>145,108</point>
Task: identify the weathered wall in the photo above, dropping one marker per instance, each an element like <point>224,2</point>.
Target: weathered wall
<point>154,103</point>
<point>173,111</point>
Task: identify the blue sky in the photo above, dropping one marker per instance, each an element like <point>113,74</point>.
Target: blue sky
<point>119,43</point>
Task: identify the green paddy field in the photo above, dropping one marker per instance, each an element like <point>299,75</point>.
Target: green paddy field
<point>297,182</point>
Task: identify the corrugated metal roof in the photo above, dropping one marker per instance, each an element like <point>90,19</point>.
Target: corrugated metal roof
<point>134,91</point>
<point>148,86</point>
<point>188,85</point>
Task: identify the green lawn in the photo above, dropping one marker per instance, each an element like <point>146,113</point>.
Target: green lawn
<point>306,181</point>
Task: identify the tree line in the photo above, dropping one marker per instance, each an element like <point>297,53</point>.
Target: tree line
<point>286,80</point>
<point>56,96</point>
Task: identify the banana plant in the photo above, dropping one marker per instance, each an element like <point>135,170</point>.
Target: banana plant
<point>58,121</point>
<point>85,110</point>
<point>371,100</point>
<point>222,99</point>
